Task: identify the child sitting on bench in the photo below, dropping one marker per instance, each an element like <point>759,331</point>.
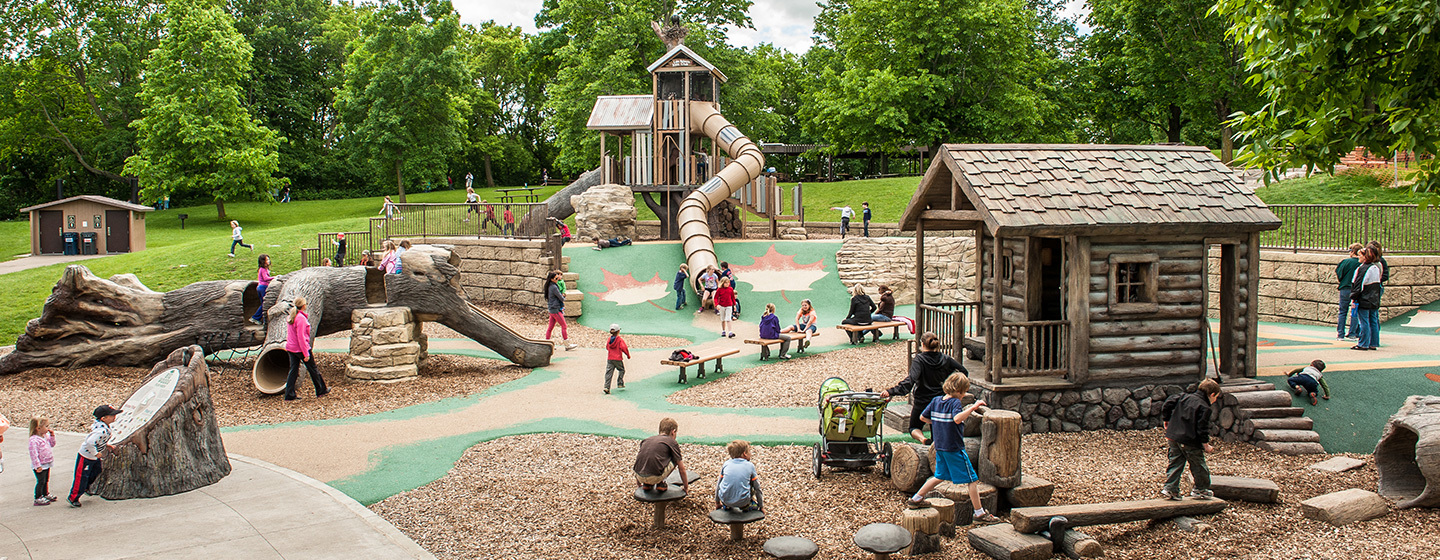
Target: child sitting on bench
<point>659,455</point>
<point>1306,381</point>
<point>739,485</point>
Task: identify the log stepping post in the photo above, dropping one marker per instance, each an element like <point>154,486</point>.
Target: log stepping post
<point>1408,455</point>
<point>1258,490</point>
<point>960,494</point>
<point>1345,507</point>
<point>882,539</point>
<point>911,466</point>
<point>946,508</point>
<point>1000,449</point>
<point>660,500</point>
<point>791,548</point>
<point>924,527</point>
<point>736,520</point>
<point>1033,491</point>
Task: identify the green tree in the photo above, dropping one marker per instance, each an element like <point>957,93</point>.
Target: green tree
<point>195,136</point>
<point>1166,64</point>
<point>913,71</point>
<point>1335,75</point>
<point>402,108</point>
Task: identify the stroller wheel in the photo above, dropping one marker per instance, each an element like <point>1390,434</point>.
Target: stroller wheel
<point>815,464</point>
<point>889,453</point>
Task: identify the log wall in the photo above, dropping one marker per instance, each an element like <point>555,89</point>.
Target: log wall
<point>1166,344</point>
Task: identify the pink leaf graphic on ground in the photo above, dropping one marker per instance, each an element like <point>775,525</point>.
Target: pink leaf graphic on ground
<point>773,272</point>
<point>626,290</point>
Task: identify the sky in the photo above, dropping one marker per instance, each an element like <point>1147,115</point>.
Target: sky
<point>784,23</point>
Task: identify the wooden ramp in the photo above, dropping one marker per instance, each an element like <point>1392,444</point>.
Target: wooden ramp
<point>1036,519</point>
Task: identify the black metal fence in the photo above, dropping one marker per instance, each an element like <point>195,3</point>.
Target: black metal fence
<point>420,221</point>
<point>1400,228</point>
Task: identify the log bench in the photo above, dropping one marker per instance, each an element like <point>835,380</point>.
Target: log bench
<point>798,340</point>
<point>857,332</point>
<point>717,357</point>
<point>736,520</point>
<point>1036,519</point>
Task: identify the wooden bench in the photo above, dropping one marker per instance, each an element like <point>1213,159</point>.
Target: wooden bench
<point>800,341</point>
<point>719,363</point>
<point>857,332</point>
<point>1036,519</point>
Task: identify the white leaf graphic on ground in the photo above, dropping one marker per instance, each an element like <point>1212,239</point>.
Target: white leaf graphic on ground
<point>1424,319</point>
<point>773,272</point>
<point>626,290</point>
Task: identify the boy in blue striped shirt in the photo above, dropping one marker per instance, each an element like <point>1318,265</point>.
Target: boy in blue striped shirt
<point>946,416</point>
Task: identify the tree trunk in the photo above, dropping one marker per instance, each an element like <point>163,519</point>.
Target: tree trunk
<point>489,177</point>
<point>399,181</point>
<point>220,208</point>
<point>911,466</point>
<point>119,322</point>
<point>1227,135</point>
<point>167,441</point>
<point>331,295</point>
<point>1000,449</point>
<point>1408,455</point>
<point>559,203</point>
<point>1174,124</point>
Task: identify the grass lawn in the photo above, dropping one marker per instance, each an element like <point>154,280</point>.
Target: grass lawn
<point>1336,189</point>
<point>14,239</point>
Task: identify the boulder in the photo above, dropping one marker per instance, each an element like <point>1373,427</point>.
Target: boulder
<point>604,212</point>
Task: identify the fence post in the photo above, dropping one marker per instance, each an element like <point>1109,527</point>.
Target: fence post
<point>1365,226</point>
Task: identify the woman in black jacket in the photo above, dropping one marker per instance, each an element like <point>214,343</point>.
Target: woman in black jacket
<point>928,371</point>
<point>861,306</point>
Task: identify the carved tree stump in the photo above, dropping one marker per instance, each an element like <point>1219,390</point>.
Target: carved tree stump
<point>167,440</point>
<point>1408,455</point>
<point>911,466</point>
<point>924,528</point>
<point>946,508</point>
<point>1000,449</point>
<point>119,322</point>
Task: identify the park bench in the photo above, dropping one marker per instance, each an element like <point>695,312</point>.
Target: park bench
<point>508,195</point>
<point>718,358</point>
<point>800,341</point>
<point>857,332</point>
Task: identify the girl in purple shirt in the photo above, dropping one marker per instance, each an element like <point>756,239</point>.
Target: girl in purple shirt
<point>262,283</point>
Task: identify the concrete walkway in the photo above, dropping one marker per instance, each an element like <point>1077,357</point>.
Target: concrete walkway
<point>260,511</point>
<point>37,261</point>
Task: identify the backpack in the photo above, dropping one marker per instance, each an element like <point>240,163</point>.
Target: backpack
<point>682,355</point>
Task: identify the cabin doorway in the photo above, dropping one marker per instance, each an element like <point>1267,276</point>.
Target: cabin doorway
<point>1047,277</point>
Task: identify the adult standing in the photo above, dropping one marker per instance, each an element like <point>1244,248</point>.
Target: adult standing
<point>1345,274</point>
<point>555,304</point>
<point>845,214</point>
<point>928,371</point>
<point>1365,291</point>
<point>298,346</point>
<point>865,216</point>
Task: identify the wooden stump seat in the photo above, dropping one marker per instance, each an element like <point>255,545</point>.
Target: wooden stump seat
<point>736,520</point>
<point>856,332</point>
<point>791,548</point>
<point>882,539</point>
<point>717,357</point>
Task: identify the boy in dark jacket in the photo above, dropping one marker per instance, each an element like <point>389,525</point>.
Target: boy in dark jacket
<point>928,371</point>
<point>1187,426</point>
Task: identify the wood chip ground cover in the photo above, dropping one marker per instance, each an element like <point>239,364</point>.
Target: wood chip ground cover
<point>501,501</point>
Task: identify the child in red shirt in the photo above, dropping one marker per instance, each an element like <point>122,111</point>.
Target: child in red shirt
<point>725,305</point>
<point>615,348</point>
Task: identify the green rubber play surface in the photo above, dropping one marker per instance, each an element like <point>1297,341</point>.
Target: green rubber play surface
<point>1361,402</point>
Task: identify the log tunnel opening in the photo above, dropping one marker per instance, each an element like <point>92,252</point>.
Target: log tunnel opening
<point>1400,475</point>
<point>271,369</point>
<point>375,286</point>
<point>250,300</point>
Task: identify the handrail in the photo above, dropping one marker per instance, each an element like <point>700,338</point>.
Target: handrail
<point>1028,349</point>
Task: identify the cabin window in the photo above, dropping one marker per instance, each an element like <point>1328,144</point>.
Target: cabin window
<point>1133,279</point>
<point>1007,267</point>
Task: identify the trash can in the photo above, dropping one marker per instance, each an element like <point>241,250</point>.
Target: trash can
<point>88,246</point>
<point>72,242</point>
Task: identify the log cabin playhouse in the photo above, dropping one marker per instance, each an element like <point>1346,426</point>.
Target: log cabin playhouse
<point>1096,257</point>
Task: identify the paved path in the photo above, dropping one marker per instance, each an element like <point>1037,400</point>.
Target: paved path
<point>37,261</point>
<point>258,512</point>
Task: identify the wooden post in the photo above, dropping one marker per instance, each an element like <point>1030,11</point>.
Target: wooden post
<point>1252,297</point>
<point>920,274</point>
<point>924,528</point>
<point>1079,315</point>
<point>1000,449</point>
<point>1227,309</point>
<point>946,508</point>
<point>996,352</point>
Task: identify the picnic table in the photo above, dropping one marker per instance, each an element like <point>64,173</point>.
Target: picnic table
<point>508,195</point>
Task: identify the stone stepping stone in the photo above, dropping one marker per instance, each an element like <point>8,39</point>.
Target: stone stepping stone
<point>1337,465</point>
<point>791,548</point>
<point>882,539</point>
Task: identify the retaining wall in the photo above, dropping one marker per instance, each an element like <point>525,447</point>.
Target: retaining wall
<point>1302,288</point>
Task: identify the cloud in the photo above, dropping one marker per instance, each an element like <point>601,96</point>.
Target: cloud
<point>519,13</point>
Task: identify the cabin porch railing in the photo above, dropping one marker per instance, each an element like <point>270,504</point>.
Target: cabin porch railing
<point>1028,349</point>
<point>951,323</point>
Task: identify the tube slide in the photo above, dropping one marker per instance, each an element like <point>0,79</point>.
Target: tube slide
<point>746,163</point>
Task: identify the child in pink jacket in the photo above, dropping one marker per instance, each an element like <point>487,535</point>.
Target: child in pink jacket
<point>42,456</point>
<point>298,345</point>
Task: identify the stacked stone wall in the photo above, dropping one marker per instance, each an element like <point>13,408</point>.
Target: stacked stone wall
<point>1302,288</point>
<point>502,270</point>
<point>1075,410</point>
<point>871,261</point>
<point>386,344</point>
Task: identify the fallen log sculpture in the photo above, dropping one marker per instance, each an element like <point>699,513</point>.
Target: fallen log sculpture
<point>167,440</point>
<point>911,466</point>
<point>1408,455</point>
<point>1035,519</point>
<point>119,322</point>
<point>1258,490</point>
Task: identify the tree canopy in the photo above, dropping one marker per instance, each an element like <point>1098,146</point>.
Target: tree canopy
<point>195,135</point>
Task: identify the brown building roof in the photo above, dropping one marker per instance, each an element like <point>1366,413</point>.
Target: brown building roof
<point>1031,187</point>
<point>105,200</point>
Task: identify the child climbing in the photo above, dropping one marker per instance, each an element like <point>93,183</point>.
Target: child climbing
<point>739,484</point>
<point>237,238</point>
<point>946,415</point>
<point>262,283</point>
<point>616,354</point>
<point>1307,381</point>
